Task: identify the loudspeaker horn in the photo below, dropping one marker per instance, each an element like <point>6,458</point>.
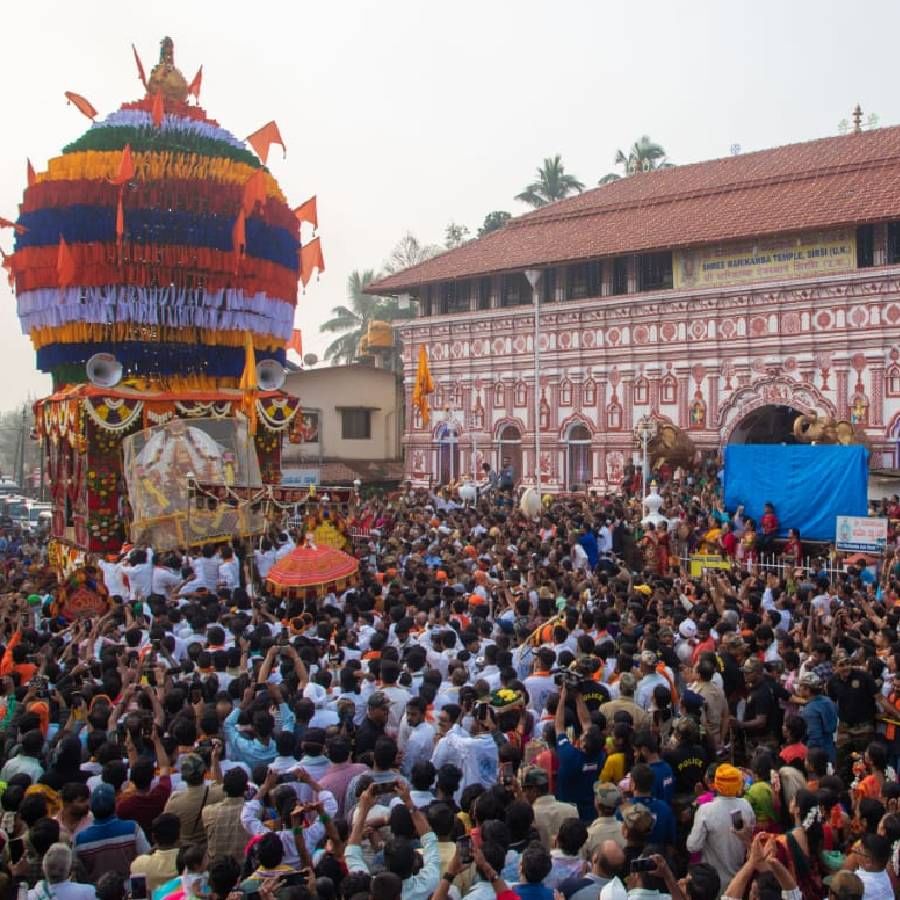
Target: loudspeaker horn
<point>270,375</point>
<point>104,370</point>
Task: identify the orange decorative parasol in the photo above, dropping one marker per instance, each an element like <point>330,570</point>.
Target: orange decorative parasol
<point>310,571</point>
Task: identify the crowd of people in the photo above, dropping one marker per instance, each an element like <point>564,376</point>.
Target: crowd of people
<point>549,707</point>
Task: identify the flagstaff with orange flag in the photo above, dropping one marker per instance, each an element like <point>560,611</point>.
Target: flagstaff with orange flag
<point>140,67</point>
<point>158,111</point>
<point>423,387</point>
<point>30,173</point>
<point>83,106</point>
<point>8,223</point>
<point>194,86</point>
<point>254,192</point>
<point>311,258</point>
<point>296,342</point>
<point>65,264</point>
<point>308,212</point>
<point>249,383</point>
<point>263,138</point>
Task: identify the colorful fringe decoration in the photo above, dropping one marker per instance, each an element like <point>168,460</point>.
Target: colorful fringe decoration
<point>159,237</point>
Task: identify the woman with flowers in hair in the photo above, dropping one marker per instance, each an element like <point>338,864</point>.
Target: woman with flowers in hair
<point>799,849</point>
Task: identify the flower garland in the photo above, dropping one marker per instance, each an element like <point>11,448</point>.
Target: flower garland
<point>111,416</point>
<point>277,413</point>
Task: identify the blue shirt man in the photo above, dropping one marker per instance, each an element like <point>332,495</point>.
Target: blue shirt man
<point>589,542</point>
<point>820,714</point>
<point>578,771</point>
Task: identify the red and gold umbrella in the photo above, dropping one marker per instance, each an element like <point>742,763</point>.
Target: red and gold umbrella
<point>311,571</point>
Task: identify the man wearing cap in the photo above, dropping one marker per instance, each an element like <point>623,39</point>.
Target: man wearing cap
<point>627,686</point>
<point>549,813</point>
<point>605,827</point>
<point>189,804</point>
<point>650,679</point>
<point>854,691</point>
<point>819,713</point>
<point>111,844</point>
<point>761,720</point>
<point>713,833</point>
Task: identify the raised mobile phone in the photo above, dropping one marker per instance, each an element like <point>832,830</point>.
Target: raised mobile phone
<point>137,887</point>
<point>464,850</point>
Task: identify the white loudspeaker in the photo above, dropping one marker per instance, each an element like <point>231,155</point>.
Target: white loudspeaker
<point>104,370</point>
<point>270,375</point>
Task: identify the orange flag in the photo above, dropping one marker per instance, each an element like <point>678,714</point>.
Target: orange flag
<point>120,222</point>
<point>308,212</point>
<point>254,192</point>
<point>83,106</point>
<point>140,67</point>
<point>159,109</point>
<point>30,171</point>
<point>8,223</point>
<point>239,237</point>
<point>311,258</point>
<point>194,86</point>
<point>296,342</point>
<point>423,386</point>
<point>126,167</point>
<point>263,138</point>
<point>65,264</point>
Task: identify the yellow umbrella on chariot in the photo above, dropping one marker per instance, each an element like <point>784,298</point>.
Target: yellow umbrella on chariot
<point>310,571</point>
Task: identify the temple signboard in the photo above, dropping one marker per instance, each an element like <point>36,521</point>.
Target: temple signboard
<point>765,260</point>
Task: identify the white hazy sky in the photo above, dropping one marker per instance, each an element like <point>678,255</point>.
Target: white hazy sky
<point>403,114</point>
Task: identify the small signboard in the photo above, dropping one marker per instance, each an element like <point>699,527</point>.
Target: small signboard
<point>861,534</point>
<point>299,477</point>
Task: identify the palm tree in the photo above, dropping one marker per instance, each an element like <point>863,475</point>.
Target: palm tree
<point>353,319</point>
<point>553,183</point>
<point>645,155</point>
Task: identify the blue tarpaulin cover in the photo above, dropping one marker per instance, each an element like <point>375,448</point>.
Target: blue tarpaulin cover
<point>809,485</point>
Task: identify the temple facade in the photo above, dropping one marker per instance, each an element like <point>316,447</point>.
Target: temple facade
<point>725,298</point>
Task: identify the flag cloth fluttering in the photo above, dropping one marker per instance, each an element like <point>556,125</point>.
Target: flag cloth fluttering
<point>83,106</point>
<point>65,264</point>
<point>140,67</point>
<point>6,263</point>
<point>423,386</point>
<point>8,223</point>
<point>30,172</point>
<point>194,86</point>
<point>308,212</point>
<point>263,138</point>
<point>248,383</point>
<point>158,111</point>
<point>311,258</point>
<point>126,167</point>
<point>296,342</point>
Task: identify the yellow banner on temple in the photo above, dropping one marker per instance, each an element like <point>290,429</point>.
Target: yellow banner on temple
<point>763,260</point>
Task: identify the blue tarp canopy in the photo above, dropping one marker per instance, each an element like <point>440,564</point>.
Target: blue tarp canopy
<point>809,485</point>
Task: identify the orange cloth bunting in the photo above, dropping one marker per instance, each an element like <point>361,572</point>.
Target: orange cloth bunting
<point>159,109</point>
<point>83,106</point>
<point>296,342</point>
<point>120,222</point>
<point>311,258</point>
<point>194,86</point>
<point>140,67</point>
<point>423,387</point>
<point>248,382</point>
<point>263,138</point>
<point>126,167</point>
<point>65,264</point>
<point>254,191</point>
<point>307,212</point>
<point>30,172</point>
<point>8,223</point>
<point>239,237</point>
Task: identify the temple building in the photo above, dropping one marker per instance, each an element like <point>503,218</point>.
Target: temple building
<point>725,298</point>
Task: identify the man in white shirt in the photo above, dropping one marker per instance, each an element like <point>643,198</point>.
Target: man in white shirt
<point>540,683</point>
<point>416,736</point>
<point>399,697</point>
<point>165,579</point>
<point>113,577</point>
<point>285,546</point>
<point>140,574</point>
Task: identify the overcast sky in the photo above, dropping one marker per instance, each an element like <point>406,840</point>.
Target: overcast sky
<point>404,115</point>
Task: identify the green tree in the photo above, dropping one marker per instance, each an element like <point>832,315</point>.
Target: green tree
<point>455,236</point>
<point>351,320</point>
<point>645,155</point>
<point>494,220</point>
<point>553,183</point>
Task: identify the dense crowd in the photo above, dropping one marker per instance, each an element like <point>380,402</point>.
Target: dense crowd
<point>547,707</point>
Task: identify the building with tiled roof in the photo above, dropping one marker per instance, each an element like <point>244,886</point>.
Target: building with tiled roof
<point>723,297</point>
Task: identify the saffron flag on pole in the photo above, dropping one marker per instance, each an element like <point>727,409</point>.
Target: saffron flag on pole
<point>248,383</point>
<point>126,167</point>
<point>83,106</point>
<point>263,138</point>
<point>308,212</point>
<point>254,192</point>
<point>140,67</point>
<point>194,86</point>
<point>296,342</point>
<point>30,172</point>
<point>311,258</point>
<point>65,264</point>
<point>423,387</point>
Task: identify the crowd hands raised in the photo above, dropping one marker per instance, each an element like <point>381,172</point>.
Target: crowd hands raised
<point>546,709</point>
